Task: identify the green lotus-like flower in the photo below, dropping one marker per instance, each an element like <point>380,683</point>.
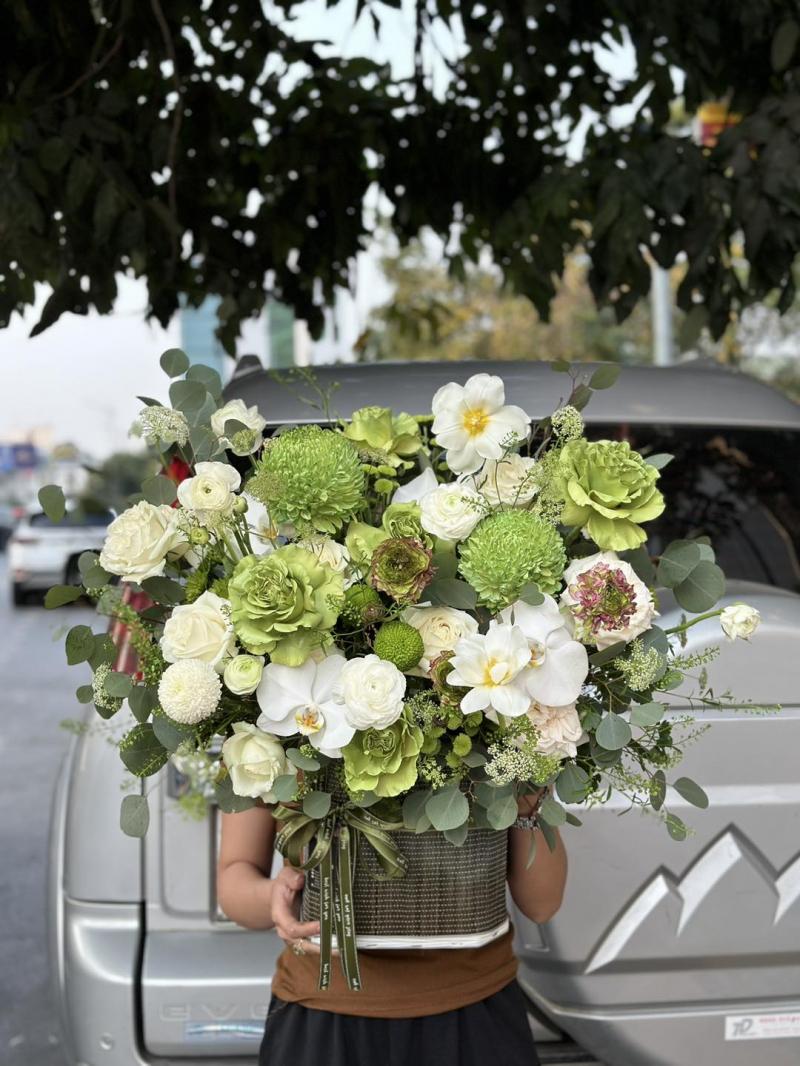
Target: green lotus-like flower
<point>284,603</point>
<point>384,438</point>
<point>399,643</point>
<point>383,761</point>
<point>607,489</point>
<point>361,541</point>
<point>506,551</point>
<point>401,567</point>
<point>311,477</point>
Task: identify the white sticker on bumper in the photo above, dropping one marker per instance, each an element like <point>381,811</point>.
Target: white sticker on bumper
<point>762,1026</point>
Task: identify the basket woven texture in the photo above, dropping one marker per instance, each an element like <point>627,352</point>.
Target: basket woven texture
<point>447,890</point>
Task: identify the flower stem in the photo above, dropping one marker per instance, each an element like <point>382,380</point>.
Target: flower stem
<point>688,625</point>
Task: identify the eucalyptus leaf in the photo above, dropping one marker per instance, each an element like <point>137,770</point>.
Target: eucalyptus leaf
<point>414,806</point>
<point>84,694</point>
<point>613,732</point>
<point>658,791</point>
<point>228,801</point>
<point>647,714</point>
<point>52,502</point>
<point>691,792</point>
<point>580,396</point>
<point>445,564</point>
<point>676,827</point>
<point>174,362</point>
<point>452,592</point>
<point>503,812</point>
<point>457,837</point>
<point>573,819</point>
<point>188,397</point>
<point>659,460</point>
<point>702,589</point>
<point>59,595</point>
<point>142,700</point>
<point>164,590</point>
<point>552,812</point>
<point>117,685</point>
<point>447,808</point>
<point>301,761</point>
<point>572,783</point>
<point>561,366</point>
<point>642,564</point>
<point>677,562</point>
<point>531,594</point>
<point>284,787</point>
<point>206,376</point>
<point>134,816</point>
<point>599,658</point>
<point>605,376</point>
<point>316,804</point>
<point>141,751</point>
<point>205,444</point>
<point>79,645</point>
<point>474,759</point>
<point>159,490</point>
<point>170,734</point>
<point>104,651</point>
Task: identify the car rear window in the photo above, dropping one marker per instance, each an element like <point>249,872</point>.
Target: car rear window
<point>73,519</point>
<point>740,487</point>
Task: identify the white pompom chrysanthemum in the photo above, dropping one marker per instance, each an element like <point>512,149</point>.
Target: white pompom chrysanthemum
<point>189,691</point>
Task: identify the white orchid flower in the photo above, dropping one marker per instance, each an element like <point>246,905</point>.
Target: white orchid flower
<point>473,422</point>
<point>414,490</point>
<point>301,699</point>
<point>558,664</point>
<point>490,665</point>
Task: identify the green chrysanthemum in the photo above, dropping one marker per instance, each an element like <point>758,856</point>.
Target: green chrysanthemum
<point>310,477</point>
<point>506,551</point>
<point>399,643</point>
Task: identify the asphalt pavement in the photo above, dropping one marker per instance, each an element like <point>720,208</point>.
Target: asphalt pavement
<point>36,688</point>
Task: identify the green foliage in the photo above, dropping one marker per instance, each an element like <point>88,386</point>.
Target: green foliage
<point>141,751</point>
<point>51,498</point>
<point>134,816</point>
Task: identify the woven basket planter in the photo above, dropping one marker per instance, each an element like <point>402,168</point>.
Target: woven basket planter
<point>449,897</point>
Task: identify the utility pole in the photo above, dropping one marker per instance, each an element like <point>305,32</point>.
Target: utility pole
<point>661,303</point>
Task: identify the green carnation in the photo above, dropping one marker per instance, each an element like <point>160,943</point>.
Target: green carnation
<point>403,520</point>
<point>401,567</point>
<point>399,643</point>
<point>506,551</point>
<point>362,606</point>
<point>383,761</point>
<point>284,603</point>
<point>383,436</point>
<point>607,489</point>
<point>311,477</point>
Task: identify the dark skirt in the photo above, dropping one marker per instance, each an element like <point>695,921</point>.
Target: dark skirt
<point>495,1030</point>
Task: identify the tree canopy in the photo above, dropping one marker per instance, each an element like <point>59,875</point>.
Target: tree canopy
<point>204,148</point>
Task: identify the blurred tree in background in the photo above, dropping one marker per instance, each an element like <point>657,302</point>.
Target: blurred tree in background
<point>202,147</point>
<point>116,479</point>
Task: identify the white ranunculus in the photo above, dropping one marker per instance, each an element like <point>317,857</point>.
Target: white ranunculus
<point>414,490</point>
<point>371,691</point>
<point>303,699</point>
<point>238,411</point>
<point>331,554</point>
<point>451,511</point>
<point>211,490</point>
<point>199,630</point>
<point>189,691</point>
<point>557,665</point>
<point>138,541</point>
<point>508,480</point>
<point>607,600</point>
<point>491,666</point>
<point>739,621</point>
<point>254,760</point>
<point>473,422</point>
<point>242,674</point>
<point>441,628</point>
<point>559,729</point>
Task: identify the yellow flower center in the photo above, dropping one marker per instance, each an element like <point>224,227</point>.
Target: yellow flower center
<point>309,720</point>
<point>475,421</point>
<point>495,672</point>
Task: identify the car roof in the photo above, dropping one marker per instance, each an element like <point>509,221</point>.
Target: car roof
<point>692,394</point>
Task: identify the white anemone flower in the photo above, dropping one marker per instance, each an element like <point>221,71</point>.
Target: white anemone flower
<point>558,664</point>
<point>301,699</point>
<point>490,665</point>
<point>473,423</point>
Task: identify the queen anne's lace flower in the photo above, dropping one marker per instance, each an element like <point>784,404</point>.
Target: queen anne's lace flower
<point>163,425</point>
<point>189,691</point>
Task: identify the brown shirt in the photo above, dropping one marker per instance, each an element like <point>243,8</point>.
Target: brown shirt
<point>401,983</point>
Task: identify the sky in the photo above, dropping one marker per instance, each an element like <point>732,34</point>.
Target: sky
<point>79,379</point>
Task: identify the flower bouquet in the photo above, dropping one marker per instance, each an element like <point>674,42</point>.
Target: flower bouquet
<point>397,625</point>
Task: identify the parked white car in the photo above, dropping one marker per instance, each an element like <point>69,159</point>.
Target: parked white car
<point>42,553</point>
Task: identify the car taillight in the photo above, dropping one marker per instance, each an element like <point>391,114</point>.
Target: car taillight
<point>24,538</point>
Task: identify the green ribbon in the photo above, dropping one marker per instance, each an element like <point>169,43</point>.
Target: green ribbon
<point>336,839</point>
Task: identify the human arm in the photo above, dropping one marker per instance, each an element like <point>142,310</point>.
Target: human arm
<point>537,892</point>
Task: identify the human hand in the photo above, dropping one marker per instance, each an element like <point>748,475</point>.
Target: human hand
<point>286,912</point>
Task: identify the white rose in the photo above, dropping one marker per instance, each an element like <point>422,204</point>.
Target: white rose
<point>559,729</point>
<point>508,480</point>
<point>138,541</point>
<point>331,554</point>
<point>371,691</point>
<point>199,630</point>
<point>238,411</point>
<point>607,600</point>
<point>242,674</point>
<point>441,628</point>
<point>739,620</point>
<point>254,760</point>
<point>210,490</point>
<point>451,511</point>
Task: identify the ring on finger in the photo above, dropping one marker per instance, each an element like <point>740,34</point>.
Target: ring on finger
<point>297,947</point>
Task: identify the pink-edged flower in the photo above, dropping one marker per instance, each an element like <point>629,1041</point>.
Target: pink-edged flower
<point>558,663</point>
<point>473,422</point>
<point>489,665</point>
<point>608,602</point>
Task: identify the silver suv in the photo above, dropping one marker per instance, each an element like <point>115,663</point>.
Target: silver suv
<point>664,953</point>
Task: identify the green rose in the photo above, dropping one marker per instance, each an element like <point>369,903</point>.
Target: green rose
<point>361,541</point>
<point>385,437</point>
<point>607,489</point>
<point>383,761</point>
<point>284,603</point>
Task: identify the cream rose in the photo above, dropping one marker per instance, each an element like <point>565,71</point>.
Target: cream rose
<point>559,729</point>
<point>199,630</point>
<point>238,411</point>
<point>508,480</point>
<point>254,760</point>
<point>242,674</point>
<point>331,554</point>
<point>607,600</point>
<point>371,691</point>
<point>210,490</point>
<point>739,621</point>
<point>451,511</point>
<point>138,541</point>
<point>441,628</point>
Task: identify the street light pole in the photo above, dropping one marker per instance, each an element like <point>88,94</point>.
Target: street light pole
<point>661,301</point>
